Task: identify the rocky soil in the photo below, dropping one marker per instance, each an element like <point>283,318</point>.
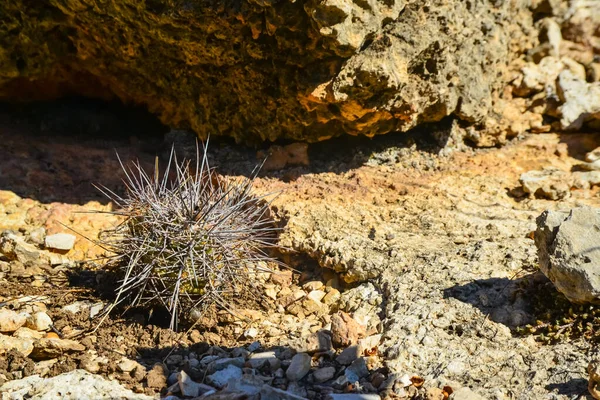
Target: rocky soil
<point>413,265</point>
<point>412,271</point>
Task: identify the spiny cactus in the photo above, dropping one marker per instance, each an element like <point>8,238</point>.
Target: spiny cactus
<point>189,238</point>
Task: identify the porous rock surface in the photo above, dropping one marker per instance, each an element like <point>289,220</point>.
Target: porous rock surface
<point>75,385</point>
<point>569,253</point>
<point>267,69</point>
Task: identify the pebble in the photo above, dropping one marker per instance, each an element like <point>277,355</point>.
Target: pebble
<point>348,355</point>
<point>295,389</point>
<point>270,393</point>
<point>37,236</point>
<point>46,348</point>
<point>257,360</point>
<point>271,291</point>
<point>324,374</point>
<point>60,241</point>
<point>357,370</point>
<point>252,347</point>
<point>332,297</point>
<point>282,278</point>
<point>22,345</point>
<point>319,341</point>
<point>220,378</point>
<point>223,363</point>
<point>345,330</point>
<point>312,306</point>
<point>312,285</point>
<point>316,295</point>
<point>435,394</point>
<point>299,367</point>
<point>189,387</point>
<point>26,333</point>
<point>127,365</point>
<point>465,393</point>
<point>92,363</point>
<point>39,321</point>
<point>249,384</point>
<point>251,333</point>
<point>353,396</point>
<point>11,320</point>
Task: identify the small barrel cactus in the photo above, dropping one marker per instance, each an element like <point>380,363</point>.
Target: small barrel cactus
<point>189,238</point>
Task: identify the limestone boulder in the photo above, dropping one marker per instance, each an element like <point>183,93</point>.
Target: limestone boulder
<point>268,69</point>
<point>569,252</point>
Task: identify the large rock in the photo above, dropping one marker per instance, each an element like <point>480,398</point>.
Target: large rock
<point>569,253</point>
<point>581,100</point>
<point>74,385</point>
<point>268,69</point>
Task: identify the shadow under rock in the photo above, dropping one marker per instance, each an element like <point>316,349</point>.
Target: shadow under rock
<point>577,388</point>
<point>337,155</point>
<point>504,300</point>
<point>56,151</point>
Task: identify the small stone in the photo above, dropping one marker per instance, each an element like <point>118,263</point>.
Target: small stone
<point>312,285</point>
<point>46,348</point>
<point>189,387</point>
<point>319,341</point>
<point>257,360</point>
<point>296,389</point>
<point>353,396</point>
<point>348,356</point>
<point>465,393</point>
<point>39,321</point>
<point>127,365</point>
<point>270,393</point>
<point>157,377</point>
<point>311,306</point>
<point>43,368</point>
<point>240,352</point>
<point>356,370</point>
<point>223,363</point>
<point>252,347</point>
<point>550,183</point>
<point>22,345</point>
<point>251,333</point>
<point>271,291</point>
<point>593,155</point>
<point>91,363</point>
<point>377,379</point>
<point>282,278</point>
<point>434,394</point>
<point>220,378</point>
<point>332,297</point>
<point>299,367</point>
<point>368,343</point>
<point>316,295</point>
<point>10,320</point>
<point>27,333</point>
<point>37,236</point>
<point>345,330</point>
<point>60,241</point>
<point>324,374</point>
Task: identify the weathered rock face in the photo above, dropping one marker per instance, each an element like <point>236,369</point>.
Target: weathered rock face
<point>268,69</point>
<point>569,253</point>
